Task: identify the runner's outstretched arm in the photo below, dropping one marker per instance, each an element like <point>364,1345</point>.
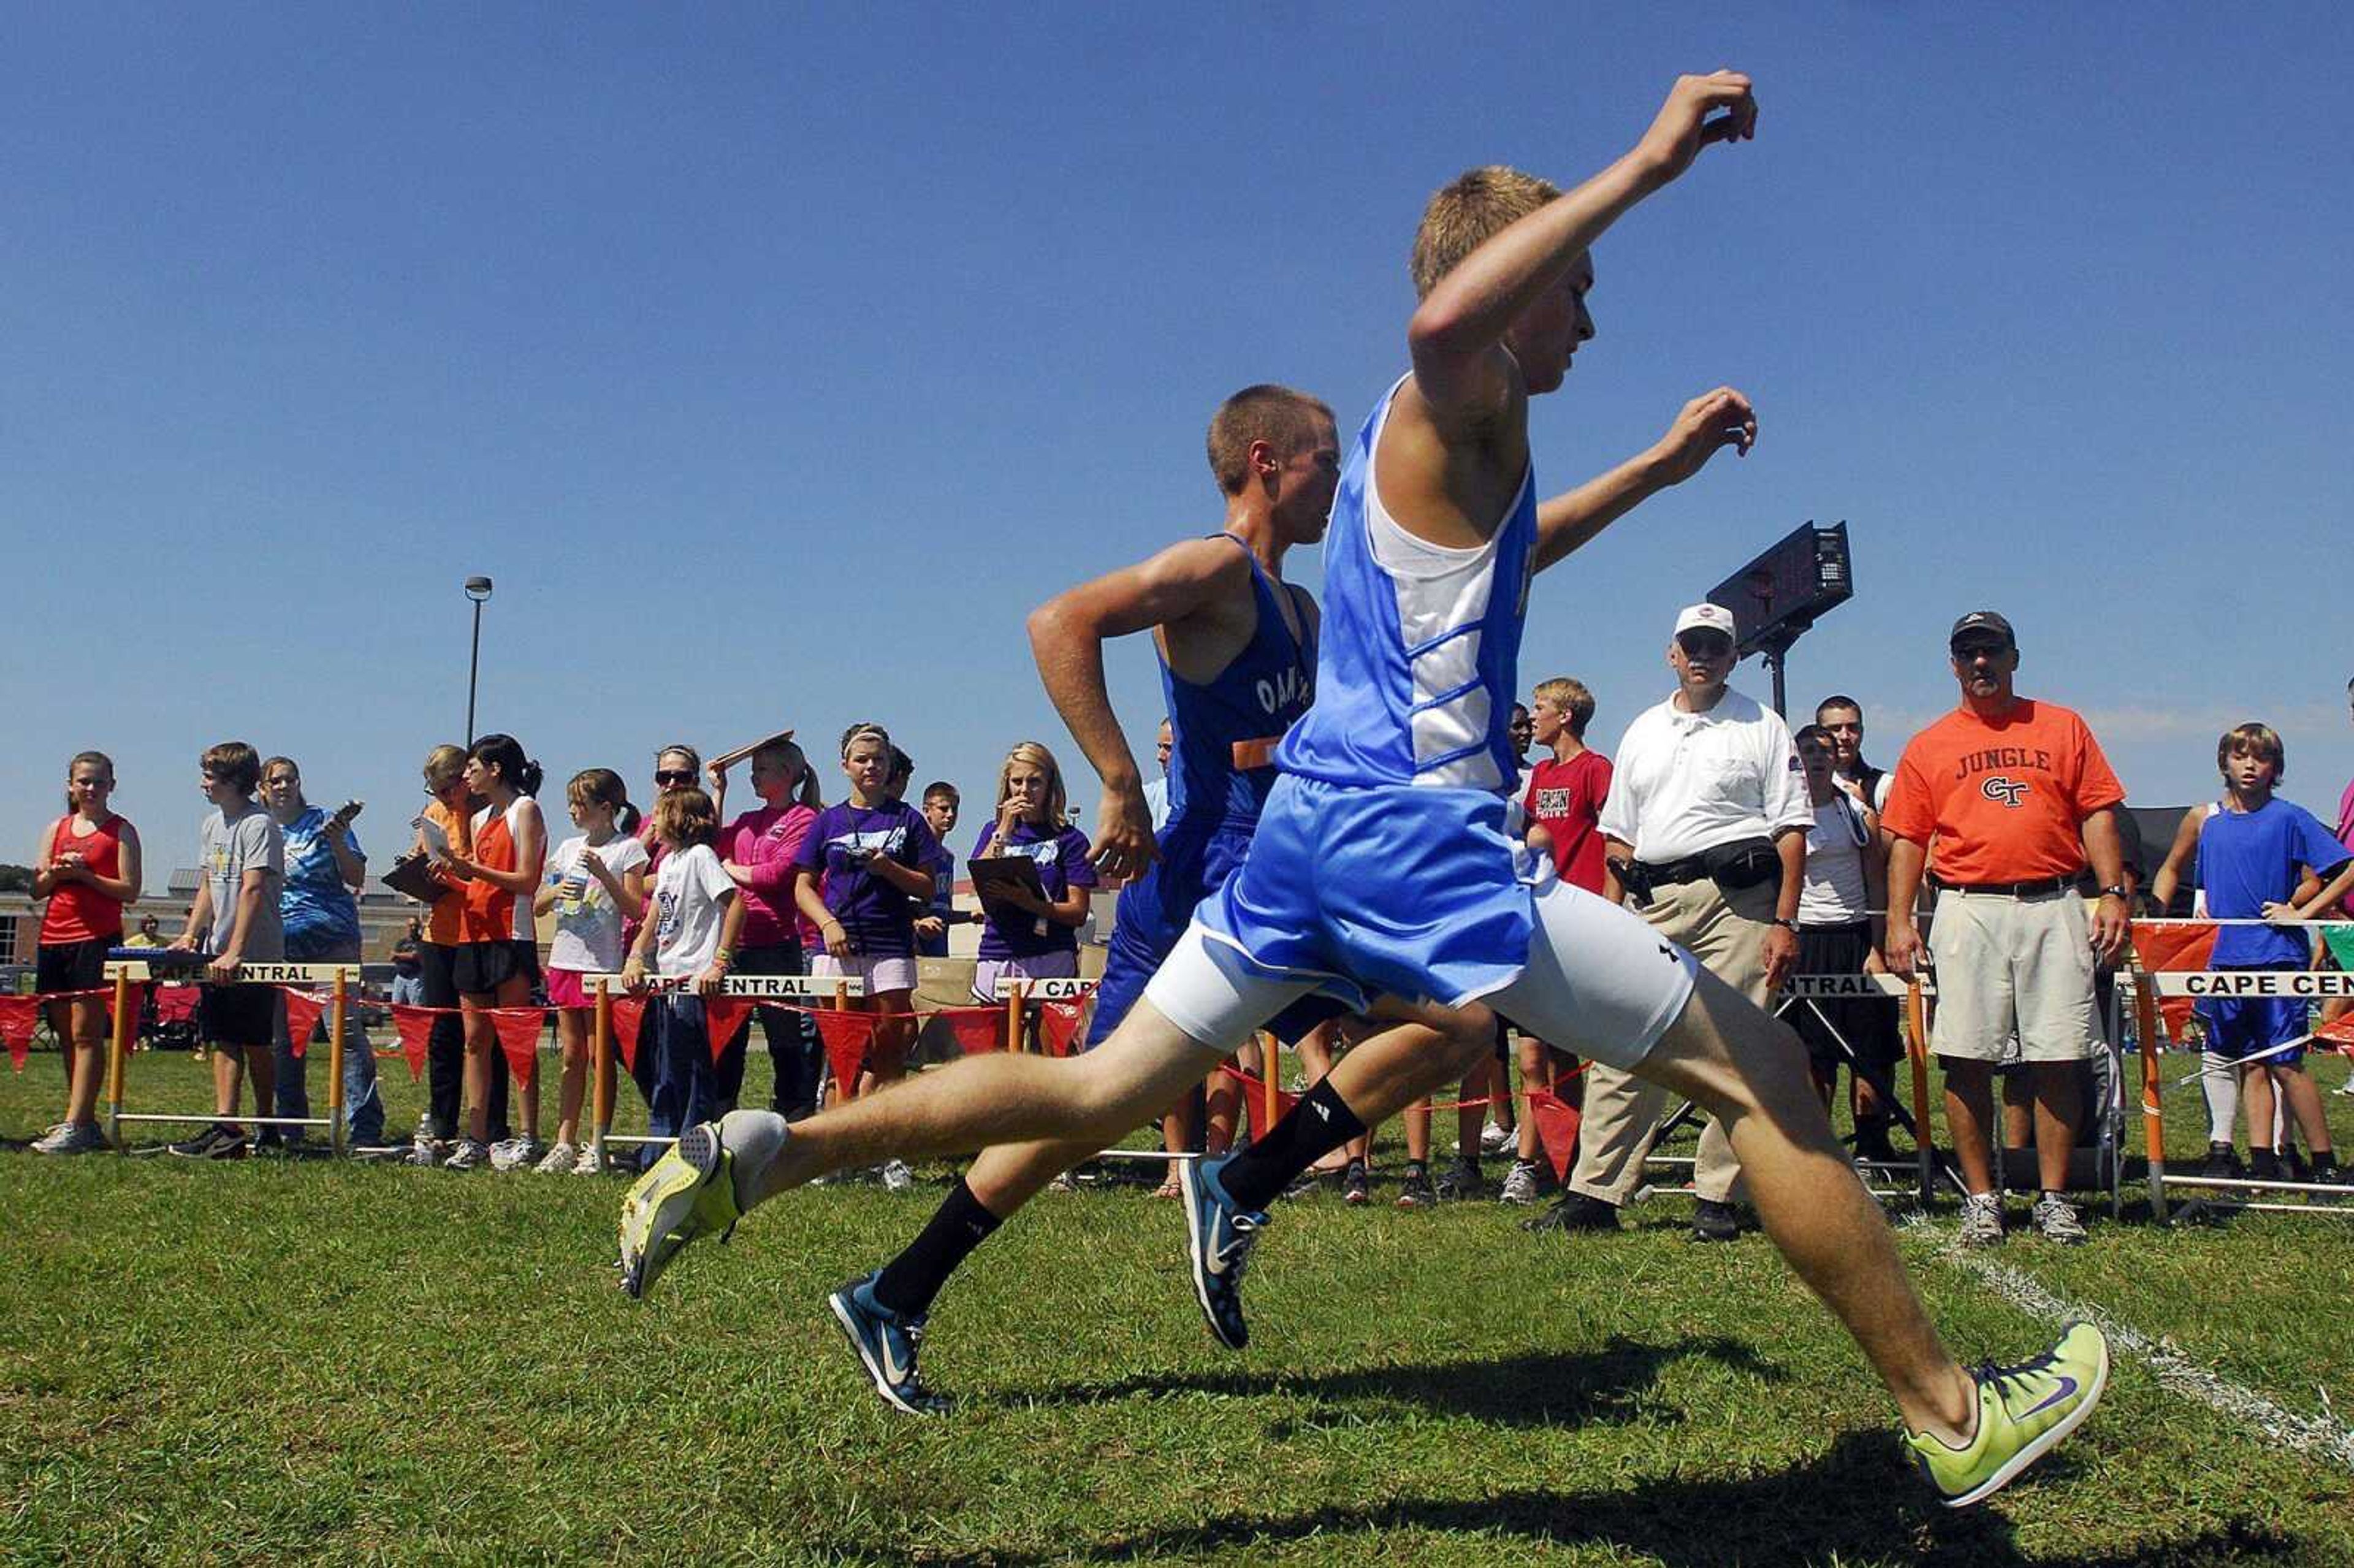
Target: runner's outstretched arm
<point>1708,423</point>
<point>1457,333</point>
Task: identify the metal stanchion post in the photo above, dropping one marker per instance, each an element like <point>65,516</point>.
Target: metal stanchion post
<point>2153,1122</point>
<point>118,1057</point>
<point>602,1063</point>
<point>1916,1019</point>
<point>335,1066</point>
<point>1270,1056</point>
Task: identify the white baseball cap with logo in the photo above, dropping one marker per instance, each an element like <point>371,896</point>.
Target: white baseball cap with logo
<point>1706,618</point>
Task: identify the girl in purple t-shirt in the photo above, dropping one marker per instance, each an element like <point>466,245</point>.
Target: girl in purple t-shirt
<point>1022,937</point>
<point>875,855</point>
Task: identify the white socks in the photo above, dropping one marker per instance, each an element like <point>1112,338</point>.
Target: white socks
<point>2221,1083</point>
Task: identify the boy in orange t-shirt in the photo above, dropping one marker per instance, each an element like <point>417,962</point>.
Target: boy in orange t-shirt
<point>2004,799</point>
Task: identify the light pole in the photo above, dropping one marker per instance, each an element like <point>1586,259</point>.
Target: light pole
<point>477,589</point>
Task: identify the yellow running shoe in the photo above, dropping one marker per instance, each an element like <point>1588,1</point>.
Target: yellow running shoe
<point>2024,1412</point>
<point>689,1193</point>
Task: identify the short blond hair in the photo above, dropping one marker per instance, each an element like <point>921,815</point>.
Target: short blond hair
<point>1571,698</point>
<point>1285,418</point>
<point>1469,211</point>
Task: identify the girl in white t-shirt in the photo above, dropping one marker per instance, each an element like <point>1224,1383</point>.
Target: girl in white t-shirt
<point>595,881</point>
<point>689,935</point>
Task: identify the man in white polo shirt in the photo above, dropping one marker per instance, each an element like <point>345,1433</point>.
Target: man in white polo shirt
<point>1705,832</point>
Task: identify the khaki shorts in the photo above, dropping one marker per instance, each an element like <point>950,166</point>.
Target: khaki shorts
<point>2012,966</point>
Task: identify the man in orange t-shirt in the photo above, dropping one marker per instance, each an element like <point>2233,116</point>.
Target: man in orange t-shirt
<point>2005,799</point>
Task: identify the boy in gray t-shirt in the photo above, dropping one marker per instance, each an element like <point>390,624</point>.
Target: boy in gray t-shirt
<point>236,914</point>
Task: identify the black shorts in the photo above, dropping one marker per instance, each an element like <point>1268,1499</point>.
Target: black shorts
<point>238,1014</point>
<point>72,966</point>
<point>1867,1024</point>
<point>479,969</point>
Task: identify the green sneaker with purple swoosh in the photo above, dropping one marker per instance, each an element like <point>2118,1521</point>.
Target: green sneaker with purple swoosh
<point>2024,1412</point>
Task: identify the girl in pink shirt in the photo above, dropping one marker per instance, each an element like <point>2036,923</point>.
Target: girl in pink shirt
<point>756,851</point>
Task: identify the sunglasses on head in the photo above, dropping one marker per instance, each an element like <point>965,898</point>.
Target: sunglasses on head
<point>674,775</point>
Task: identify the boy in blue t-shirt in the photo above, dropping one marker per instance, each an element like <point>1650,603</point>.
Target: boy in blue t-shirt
<point>2252,855</point>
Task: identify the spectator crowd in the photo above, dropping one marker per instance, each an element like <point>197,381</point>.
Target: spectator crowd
<point>1765,851</point>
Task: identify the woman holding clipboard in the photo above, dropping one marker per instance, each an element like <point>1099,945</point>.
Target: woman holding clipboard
<point>1032,874</point>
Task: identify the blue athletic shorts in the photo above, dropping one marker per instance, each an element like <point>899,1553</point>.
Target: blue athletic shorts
<point>1415,892</point>
<point>1154,913</point>
<point>2240,1026</point>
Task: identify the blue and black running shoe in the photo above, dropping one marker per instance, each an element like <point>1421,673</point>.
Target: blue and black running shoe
<point>1219,1236</point>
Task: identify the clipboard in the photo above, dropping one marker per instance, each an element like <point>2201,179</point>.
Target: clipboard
<point>996,876</point>
<point>414,876</point>
<point>730,759</point>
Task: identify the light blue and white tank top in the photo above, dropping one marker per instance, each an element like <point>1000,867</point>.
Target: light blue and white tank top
<point>1420,652</point>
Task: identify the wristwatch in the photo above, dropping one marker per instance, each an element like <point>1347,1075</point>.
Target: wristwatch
<point>2118,893</point>
<point>1789,926</point>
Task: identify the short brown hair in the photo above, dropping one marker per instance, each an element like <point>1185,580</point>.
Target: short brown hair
<point>685,818</point>
<point>1572,698</point>
<point>1287,419</point>
<point>1467,212</point>
<point>2258,740</point>
<point>234,762</point>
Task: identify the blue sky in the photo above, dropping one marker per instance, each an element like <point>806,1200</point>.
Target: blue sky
<point>775,364</point>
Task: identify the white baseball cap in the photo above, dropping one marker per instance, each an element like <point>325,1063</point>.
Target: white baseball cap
<point>1706,618</point>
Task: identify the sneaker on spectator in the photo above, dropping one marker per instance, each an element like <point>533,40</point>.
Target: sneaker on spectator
<point>1356,1184</point>
<point>2292,1160</point>
<point>2264,1165</point>
<point>558,1161</point>
<point>72,1137</point>
<point>1576,1212</point>
<point>516,1154</point>
<point>219,1141</point>
<point>1461,1181</point>
<point>1519,1184</point>
<point>1982,1220</point>
<point>1495,1138</point>
<point>1413,1191</point>
<point>2222,1164</point>
<point>470,1153</point>
<point>587,1163</point>
<point>2057,1220</point>
<point>1714,1221</point>
<point>1069,1182</point>
<point>897,1178</point>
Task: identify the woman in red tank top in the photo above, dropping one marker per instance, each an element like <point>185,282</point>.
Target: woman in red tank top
<point>88,870</point>
<point>498,958</point>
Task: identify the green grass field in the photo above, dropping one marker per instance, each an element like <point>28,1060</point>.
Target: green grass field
<point>295,1361</point>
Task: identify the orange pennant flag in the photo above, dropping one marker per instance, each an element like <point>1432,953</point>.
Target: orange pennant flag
<point>1255,1101</point>
<point>848,1037</point>
<point>976,1029</point>
<point>722,1017</point>
<point>1058,1025</point>
<point>519,1029</point>
<point>1556,1121</point>
<point>17,1016</point>
<point>415,1027</point>
<point>302,1011</point>
<point>628,1017</point>
<point>2182,947</point>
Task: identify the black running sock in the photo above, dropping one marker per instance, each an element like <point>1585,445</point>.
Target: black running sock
<point>1317,1126</point>
<point>909,1281</point>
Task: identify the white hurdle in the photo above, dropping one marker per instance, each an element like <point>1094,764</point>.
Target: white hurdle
<point>162,965</point>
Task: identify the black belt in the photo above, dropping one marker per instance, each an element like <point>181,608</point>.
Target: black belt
<point>2035,889</point>
<point>1691,868</point>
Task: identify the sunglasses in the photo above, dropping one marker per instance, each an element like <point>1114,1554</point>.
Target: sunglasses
<point>674,775</point>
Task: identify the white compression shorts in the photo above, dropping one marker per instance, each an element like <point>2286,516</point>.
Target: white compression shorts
<point>1598,980</point>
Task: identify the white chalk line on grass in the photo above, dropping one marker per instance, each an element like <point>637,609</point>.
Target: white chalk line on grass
<point>2176,1371</point>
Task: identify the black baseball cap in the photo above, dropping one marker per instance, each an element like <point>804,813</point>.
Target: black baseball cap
<point>1984,621</point>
